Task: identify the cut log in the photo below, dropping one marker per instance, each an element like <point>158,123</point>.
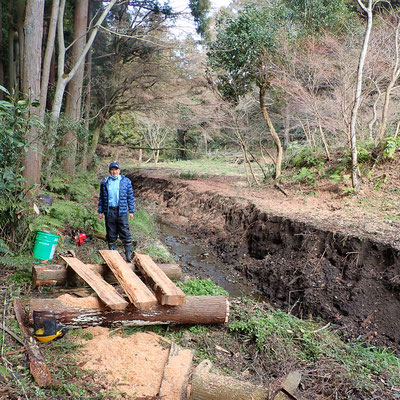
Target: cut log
<point>211,386</point>
<point>166,291</point>
<point>103,289</point>
<point>84,312</point>
<point>37,364</point>
<point>137,292</point>
<point>59,275</point>
<point>176,373</point>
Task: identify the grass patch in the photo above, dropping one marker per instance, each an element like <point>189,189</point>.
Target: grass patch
<point>199,287</point>
<point>199,168</point>
<point>185,175</point>
<point>143,222</point>
<point>144,232</point>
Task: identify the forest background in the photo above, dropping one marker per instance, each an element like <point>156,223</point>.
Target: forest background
<point>278,84</point>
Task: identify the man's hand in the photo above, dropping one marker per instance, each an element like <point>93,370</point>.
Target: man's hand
<point>130,215</point>
<point>101,216</point>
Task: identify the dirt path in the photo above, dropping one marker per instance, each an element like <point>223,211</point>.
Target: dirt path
<point>325,206</point>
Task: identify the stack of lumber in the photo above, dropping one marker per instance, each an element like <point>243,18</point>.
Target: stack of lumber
<point>149,299</point>
<point>134,288</point>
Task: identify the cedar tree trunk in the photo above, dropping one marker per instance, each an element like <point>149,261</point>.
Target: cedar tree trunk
<point>33,31</point>
<point>74,91</point>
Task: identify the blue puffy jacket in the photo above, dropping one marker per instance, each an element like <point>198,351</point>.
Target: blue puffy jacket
<point>126,199</point>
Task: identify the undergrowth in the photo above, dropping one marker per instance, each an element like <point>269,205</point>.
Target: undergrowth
<point>281,337</point>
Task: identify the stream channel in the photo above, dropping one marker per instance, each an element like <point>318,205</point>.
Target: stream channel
<point>198,261</point>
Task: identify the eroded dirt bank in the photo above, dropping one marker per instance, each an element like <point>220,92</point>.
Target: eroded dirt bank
<point>349,280</point>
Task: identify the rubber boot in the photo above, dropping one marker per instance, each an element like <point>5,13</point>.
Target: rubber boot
<point>112,246</point>
<point>128,252</point>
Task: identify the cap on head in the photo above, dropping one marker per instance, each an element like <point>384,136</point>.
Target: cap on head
<point>113,165</point>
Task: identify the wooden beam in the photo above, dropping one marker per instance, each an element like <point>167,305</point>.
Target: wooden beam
<point>137,292</point>
<point>104,290</point>
<point>84,312</point>
<point>166,291</point>
<point>37,364</point>
<point>59,275</point>
<point>176,373</point>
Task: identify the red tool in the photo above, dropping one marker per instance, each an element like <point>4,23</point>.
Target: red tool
<point>80,238</point>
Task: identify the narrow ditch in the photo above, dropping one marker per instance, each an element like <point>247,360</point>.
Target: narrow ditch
<point>353,282</point>
<point>200,261</point>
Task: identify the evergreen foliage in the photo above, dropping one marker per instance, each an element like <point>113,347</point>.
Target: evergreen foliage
<point>245,48</point>
<point>15,216</point>
<point>200,10</point>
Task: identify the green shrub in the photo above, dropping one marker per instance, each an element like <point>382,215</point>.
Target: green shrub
<point>305,175</point>
<point>391,145</point>
<point>185,175</point>
<point>15,122</point>
<point>80,189</point>
<point>307,157</point>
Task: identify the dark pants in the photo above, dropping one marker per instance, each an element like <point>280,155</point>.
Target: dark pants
<point>117,225</point>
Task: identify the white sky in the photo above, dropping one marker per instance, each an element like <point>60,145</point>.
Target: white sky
<point>185,26</point>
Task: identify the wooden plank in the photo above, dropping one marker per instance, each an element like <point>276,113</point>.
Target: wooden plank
<point>37,364</point>
<point>138,293</point>
<point>289,386</point>
<point>176,373</point>
<point>84,312</point>
<point>166,291</point>
<point>103,289</point>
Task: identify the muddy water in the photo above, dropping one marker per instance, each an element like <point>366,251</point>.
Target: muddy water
<point>197,260</point>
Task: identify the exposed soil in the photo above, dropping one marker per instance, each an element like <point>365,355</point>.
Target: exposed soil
<point>324,255</point>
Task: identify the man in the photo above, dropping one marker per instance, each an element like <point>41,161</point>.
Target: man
<point>115,201</point>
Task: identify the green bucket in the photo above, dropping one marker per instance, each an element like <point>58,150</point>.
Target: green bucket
<point>45,246</point>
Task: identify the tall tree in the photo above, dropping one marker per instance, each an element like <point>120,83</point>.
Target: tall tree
<point>394,64</point>
<point>244,54</point>
<point>31,71</point>
<point>134,64</point>
<point>355,174</point>
<point>1,51</point>
<point>64,77</point>
<point>75,86</point>
<point>48,55</point>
